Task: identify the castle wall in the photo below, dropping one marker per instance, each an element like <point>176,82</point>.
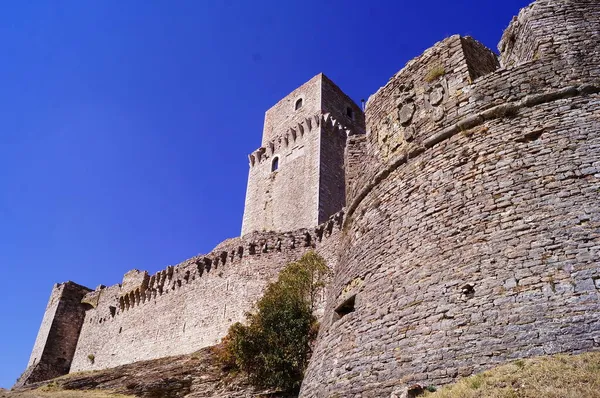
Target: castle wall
<point>57,337</point>
<point>44,331</point>
<point>191,305</point>
<point>547,28</point>
<point>332,186</point>
<point>473,236</point>
<point>332,183</point>
<point>355,160</point>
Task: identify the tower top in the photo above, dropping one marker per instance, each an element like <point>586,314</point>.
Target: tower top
<point>297,178</point>
<point>318,95</point>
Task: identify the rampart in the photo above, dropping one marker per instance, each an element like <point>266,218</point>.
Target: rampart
<point>296,183</point>
<point>473,237</point>
<point>471,233</point>
<point>184,307</point>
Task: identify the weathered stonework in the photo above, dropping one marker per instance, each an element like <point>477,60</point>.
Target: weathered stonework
<point>192,305</point>
<point>307,146</point>
<point>463,228</point>
<point>473,237</point>
<point>57,338</point>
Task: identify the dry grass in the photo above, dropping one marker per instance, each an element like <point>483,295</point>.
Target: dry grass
<point>54,392</point>
<point>435,73</point>
<point>560,376</point>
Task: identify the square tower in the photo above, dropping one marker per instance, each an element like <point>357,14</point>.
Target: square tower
<point>296,177</point>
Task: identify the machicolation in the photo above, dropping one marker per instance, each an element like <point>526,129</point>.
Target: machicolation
<point>459,213</point>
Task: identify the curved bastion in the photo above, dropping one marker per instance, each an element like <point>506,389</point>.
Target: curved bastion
<point>472,234</point>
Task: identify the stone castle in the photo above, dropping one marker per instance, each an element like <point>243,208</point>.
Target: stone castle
<point>460,213</point>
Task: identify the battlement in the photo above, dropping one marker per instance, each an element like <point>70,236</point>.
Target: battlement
<point>138,287</point>
<point>318,95</point>
<point>428,92</point>
<point>190,305</point>
<point>285,143</point>
<point>470,222</point>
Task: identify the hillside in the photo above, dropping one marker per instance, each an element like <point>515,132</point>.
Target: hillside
<point>190,376</point>
<point>196,376</point>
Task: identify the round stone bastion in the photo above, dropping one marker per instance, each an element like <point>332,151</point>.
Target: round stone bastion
<point>472,231</point>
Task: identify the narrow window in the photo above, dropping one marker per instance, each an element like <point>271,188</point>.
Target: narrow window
<point>299,104</point>
<point>349,113</point>
<point>345,308</point>
<point>113,311</point>
<point>275,164</point>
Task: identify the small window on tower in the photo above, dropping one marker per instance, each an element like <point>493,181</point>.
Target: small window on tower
<point>349,113</point>
<point>299,104</point>
<point>275,164</point>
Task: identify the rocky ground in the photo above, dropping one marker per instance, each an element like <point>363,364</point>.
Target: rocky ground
<point>197,376</point>
<point>190,376</point>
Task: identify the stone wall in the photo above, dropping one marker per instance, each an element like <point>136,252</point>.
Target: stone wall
<point>345,119</point>
<point>191,305</point>
<point>58,334</point>
<point>549,28</point>
<point>473,237</point>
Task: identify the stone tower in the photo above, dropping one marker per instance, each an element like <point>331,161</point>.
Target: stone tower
<point>56,341</point>
<point>296,177</point>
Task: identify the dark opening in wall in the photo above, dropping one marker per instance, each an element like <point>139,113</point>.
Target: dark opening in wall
<point>275,164</point>
<point>113,310</point>
<point>298,104</point>
<point>531,136</point>
<point>350,113</point>
<point>345,308</point>
<point>468,290</point>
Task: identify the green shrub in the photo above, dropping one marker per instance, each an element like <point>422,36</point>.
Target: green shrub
<point>274,346</point>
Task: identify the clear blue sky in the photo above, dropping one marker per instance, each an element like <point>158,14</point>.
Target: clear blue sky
<point>125,125</point>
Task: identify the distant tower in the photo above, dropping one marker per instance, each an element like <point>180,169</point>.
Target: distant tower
<point>57,338</point>
<point>296,177</point>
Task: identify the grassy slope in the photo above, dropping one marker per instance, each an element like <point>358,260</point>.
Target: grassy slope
<point>560,376</point>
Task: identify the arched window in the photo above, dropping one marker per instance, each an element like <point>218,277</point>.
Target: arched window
<point>298,104</point>
<point>275,164</point>
<point>349,113</point>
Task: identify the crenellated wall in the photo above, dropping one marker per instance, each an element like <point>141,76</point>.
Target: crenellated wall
<point>191,305</point>
<point>470,233</point>
<point>473,236</point>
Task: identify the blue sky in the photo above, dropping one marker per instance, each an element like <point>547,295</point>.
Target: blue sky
<point>125,125</point>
